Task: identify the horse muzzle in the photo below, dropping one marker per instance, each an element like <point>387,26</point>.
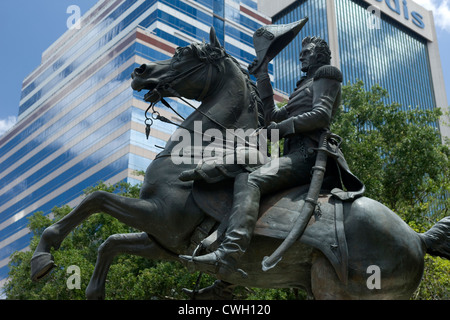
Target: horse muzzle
<point>141,79</point>
<point>152,77</point>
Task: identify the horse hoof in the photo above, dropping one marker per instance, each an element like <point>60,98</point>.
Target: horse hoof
<point>41,264</point>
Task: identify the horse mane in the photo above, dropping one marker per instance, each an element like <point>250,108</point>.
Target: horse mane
<point>212,54</point>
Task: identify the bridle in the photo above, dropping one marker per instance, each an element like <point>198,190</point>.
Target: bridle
<point>168,85</point>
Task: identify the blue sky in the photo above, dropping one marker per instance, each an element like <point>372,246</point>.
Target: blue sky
<point>29,27</point>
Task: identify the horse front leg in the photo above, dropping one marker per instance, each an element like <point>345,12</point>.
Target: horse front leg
<point>131,243</point>
<point>137,213</point>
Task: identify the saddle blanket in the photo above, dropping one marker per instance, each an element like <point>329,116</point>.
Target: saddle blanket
<point>279,212</point>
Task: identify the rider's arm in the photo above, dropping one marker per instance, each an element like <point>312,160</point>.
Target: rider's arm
<point>326,88</point>
<point>271,112</point>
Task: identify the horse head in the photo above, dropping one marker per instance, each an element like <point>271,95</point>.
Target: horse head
<point>207,73</point>
<point>189,73</point>
<point>230,101</point>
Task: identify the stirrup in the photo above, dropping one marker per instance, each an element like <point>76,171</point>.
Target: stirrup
<point>219,290</point>
<point>218,266</point>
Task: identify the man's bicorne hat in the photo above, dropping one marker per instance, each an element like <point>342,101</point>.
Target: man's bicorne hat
<point>269,40</point>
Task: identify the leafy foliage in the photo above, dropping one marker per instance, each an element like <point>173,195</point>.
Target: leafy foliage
<point>397,153</point>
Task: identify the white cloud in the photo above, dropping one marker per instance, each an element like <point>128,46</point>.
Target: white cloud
<point>441,12</point>
<point>6,124</point>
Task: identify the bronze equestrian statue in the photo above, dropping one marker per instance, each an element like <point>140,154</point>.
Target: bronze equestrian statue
<point>302,121</point>
<point>346,233</point>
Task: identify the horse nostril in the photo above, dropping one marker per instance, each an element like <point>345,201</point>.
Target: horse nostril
<point>140,70</point>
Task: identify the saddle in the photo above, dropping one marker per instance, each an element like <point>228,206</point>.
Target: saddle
<point>278,213</point>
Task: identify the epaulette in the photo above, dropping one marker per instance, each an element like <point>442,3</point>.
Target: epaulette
<point>328,72</point>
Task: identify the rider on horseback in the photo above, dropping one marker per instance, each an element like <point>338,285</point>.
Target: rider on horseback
<point>307,114</point>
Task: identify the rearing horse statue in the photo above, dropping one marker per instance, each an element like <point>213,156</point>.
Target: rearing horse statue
<point>168,213</point>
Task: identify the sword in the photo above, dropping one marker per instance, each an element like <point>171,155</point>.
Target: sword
<point>309,204</point>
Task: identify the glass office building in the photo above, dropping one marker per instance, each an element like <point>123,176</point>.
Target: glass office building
<point>390,43</point>
<point>79,120</point>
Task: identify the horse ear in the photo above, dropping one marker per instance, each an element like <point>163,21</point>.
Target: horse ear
<point>213,38</point>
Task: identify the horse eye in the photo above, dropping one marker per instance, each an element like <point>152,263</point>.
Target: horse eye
<point>186,51</point>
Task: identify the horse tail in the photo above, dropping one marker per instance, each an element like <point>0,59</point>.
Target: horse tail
<point>437,239</point>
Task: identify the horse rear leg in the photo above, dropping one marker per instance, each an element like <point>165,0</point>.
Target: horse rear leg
<point>131,243</point>
<point>137,213</point>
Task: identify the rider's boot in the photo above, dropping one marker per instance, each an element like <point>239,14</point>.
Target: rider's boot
<point>239,231</point>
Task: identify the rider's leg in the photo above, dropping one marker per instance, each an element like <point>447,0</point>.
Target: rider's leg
<point>286,172</point>
<point>240,226</point>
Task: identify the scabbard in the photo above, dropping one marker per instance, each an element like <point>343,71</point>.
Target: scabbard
<point>307,208</point>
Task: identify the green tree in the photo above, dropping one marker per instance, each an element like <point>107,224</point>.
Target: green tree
<point>398,153</point>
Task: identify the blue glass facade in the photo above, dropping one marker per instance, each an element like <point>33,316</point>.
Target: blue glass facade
<point>57,73</point>
<point>392,55</point>
<point>79,119</point>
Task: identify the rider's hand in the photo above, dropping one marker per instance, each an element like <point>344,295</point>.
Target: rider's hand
<point>261,69</point>
<point>285,128</point>
<point>272,126</point>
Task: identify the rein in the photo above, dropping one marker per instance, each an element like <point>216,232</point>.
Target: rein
<point>168,86</point>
